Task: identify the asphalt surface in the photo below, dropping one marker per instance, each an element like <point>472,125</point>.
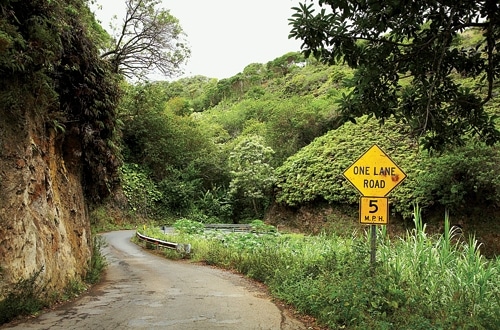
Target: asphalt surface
<point>144,291</point>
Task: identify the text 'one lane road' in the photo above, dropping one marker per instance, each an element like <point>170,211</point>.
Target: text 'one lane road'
<point>145,291</point>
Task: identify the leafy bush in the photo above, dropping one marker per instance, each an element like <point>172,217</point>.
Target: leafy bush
<point>305,82</point>
<point>465,177</point>
<point>180,188</point>
<point>259,226</point>
<point>25,298</point>
<point>295,122</point>
<point>97,262</point>
<point>215,204</point>
<point>185,226</point>
<point>315,172</point>
<point>141,191</point>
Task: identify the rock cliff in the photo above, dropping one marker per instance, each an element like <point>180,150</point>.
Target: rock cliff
<point>57,124</point>
<point>43,217</point>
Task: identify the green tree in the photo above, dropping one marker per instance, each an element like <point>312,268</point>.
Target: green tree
<point>282,65</point>
<point>155,136</point>
<point>407,55</point>
<point>251,174</point>
<point>178,151</point>
<point>150,40</point>
<point>179,106</point>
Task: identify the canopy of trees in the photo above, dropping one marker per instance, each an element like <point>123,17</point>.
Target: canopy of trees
<point>182,141</point>
<point>408,56</point>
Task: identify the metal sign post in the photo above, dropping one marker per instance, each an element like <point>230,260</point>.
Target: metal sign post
<point>373,248</point>
<point>374,175</point>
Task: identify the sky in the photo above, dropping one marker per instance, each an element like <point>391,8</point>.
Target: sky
<point>224,35</point>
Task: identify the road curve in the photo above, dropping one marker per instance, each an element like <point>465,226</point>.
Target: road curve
<point>144,291</point>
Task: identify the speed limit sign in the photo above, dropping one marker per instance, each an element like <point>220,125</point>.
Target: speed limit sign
<point>374,210</point>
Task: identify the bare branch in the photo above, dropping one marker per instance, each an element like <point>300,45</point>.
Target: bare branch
<point>150,40</point>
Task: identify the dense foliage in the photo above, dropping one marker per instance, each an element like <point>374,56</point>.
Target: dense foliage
<point>407,55</point>
<point>252,177</point>
<point>196,157</point>
<point>471,178</point>
<point>51,71</point>
<point>458,179</point>
<point>189,133</point>
<point>315,172</point>
<point>180,156</point>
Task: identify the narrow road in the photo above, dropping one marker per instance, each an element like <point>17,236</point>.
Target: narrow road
<point>144,291</point>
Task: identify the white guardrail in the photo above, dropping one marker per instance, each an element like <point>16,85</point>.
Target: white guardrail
<point>186,248</point>
<point>179,247</point>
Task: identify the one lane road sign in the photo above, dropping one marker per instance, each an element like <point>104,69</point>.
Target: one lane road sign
<point>374,173</point>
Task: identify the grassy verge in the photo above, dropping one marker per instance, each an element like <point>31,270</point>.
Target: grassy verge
<point>420,281</point>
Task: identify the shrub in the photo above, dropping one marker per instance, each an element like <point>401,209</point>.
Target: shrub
<point>215,204</point>
<point>25,298</point>
<point>259,226</point>
<point>97,262</point>
<point>179,192</point>
<point>141,191</point>
<point>315,172</point>
<point>185,226</point>
<point>463,177</point>
<point>459,177</point>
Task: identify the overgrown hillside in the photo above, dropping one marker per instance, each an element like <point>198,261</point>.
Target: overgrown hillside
<point>272,135</point>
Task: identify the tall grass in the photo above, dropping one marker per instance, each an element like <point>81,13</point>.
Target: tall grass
<point>445,279</point>
<point>420,281</point>
<point>97,262</point>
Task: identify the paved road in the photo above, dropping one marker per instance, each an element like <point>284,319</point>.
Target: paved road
<point>144,291</point>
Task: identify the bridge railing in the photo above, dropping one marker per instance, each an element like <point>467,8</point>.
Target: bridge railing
<point>238,227</point>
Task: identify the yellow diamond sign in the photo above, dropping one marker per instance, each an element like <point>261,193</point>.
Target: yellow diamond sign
<point>374,173</point>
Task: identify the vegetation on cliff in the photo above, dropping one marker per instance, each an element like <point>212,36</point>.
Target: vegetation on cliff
<point>57,150</point>
<point>51,70</point>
